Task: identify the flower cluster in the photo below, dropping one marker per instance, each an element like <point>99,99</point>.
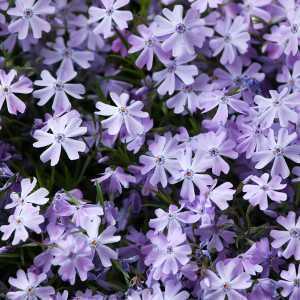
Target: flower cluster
<point>149,149</point>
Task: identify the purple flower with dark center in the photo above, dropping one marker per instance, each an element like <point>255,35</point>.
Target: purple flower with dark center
<point>27,13</point>
<point>181,35</point>
<point>29,288</point>
<point>290,283</point>
<point>277,150</point>
<point>264,189</point>
<point>122,115</point>
<point>289,236</point>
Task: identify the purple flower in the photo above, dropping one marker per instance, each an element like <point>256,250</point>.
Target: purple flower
<point>109,16</point>
<point>256,8</point>
<point>63,131</point>
<point>27,195</point>
<point>114,180</point>
<point>8,89</point>
<point>26,216</point>
<point>291,283</point>
<point>122,114</point>
<point>59,88</point>
<point>191,167</point>
<point>229,281</point>
<point>176,70</point>
<point>28,286</point>
<point>263,189</point>
<point>212,147</point>
<point>149,45</point>
<point>161,158</point>
<point>99,242</point>
<point>180,34</point>
<point>219,99</point>
<point>173,219</point>
<point>280,105</point>
<point>172,291</point>
<point>288,79</point>
<point>27,13</point>
<point>277,150</point>
<point>73,255</point>
<point>234,38</point>
<point>168,253</point>
<point>290,236</point>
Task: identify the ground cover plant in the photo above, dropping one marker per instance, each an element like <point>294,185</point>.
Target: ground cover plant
<point>149,150</point>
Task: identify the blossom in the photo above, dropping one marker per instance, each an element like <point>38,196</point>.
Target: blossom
<point>27,13</point>
<point>110,15</point>
<point>23,217</point>
<point>169,253</point>
<point>277,150</point>
<point>173,219</point>
<point>291,80</point>
<point>28,286</point>
<point>180,34</point>
<point>229,281</point>
<point>63,132</point>
<point>149,45</point>
<point>122,115</point>
<point>160,158</point>
<point>176,69</point>
<point>191,167</point>
<point>257,9</point>
<point>59,88</point>
<point>219,99</point>
<point>280,105</point>
<point>8,89</point>
<point>73,255</point>
<point>212,147</point>
<point>290,282</point>
<point>233,38</point>
<point>289,236</point>
<point>263,189</point>
<point>203,5</point>
<point>99,242</point>
<point>27,195</point>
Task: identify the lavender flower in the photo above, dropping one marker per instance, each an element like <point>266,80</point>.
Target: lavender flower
<point>290,283</point>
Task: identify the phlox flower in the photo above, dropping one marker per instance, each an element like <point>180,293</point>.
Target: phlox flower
<point>27,14</point>
<point>289,236</point>
<point>176,70</point>
<point>28,286</point>
<point>212,147</point>
<point>109,16</point>
<point>26,216</point>
<point>63,131</point>
<point>203,5</point>
<point>290,282</point>
<point>8,89</point>
<point>180,35</point>
<point>160,159</point>
<point>290,79</point>
<point>73,255</point>
<point>123,114</point>
<point>233,38</point>
<point>59,88</point>
<point>264,189</point>
<point>191,167</point>
<point>148,44</point>
<point>99,242</point>
<point>229,281</point>
<point>256,8</point>
<point>27,194</point>
<point>281,105</point>
<point>277,150</point>
<point>223,102</point>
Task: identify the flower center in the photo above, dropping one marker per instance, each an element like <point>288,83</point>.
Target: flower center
<point>149,43</point>
<point>294,28</point>
<point>189,174</point>
<point>169,250</point>
<point>213,152</point>
<point>28,13</point>
<point>68,52</point>
<point>226,286</point>
<point>276,102</point>
<point>278,151</point>
<point>59,137</point>
<point>6,90</point>
<point>59,85</point>
<point>297,282</point>
<point>295,233</point>
<point>94,243</point>
<point>110,11</point>
<point>180,28</point>
<point>227,38</point>
<point>188,88</point>
<point>224,100</point>
<point>171,67</point>
<point>160,160</point>
<point>265,188</point>
<point>123,110</point>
